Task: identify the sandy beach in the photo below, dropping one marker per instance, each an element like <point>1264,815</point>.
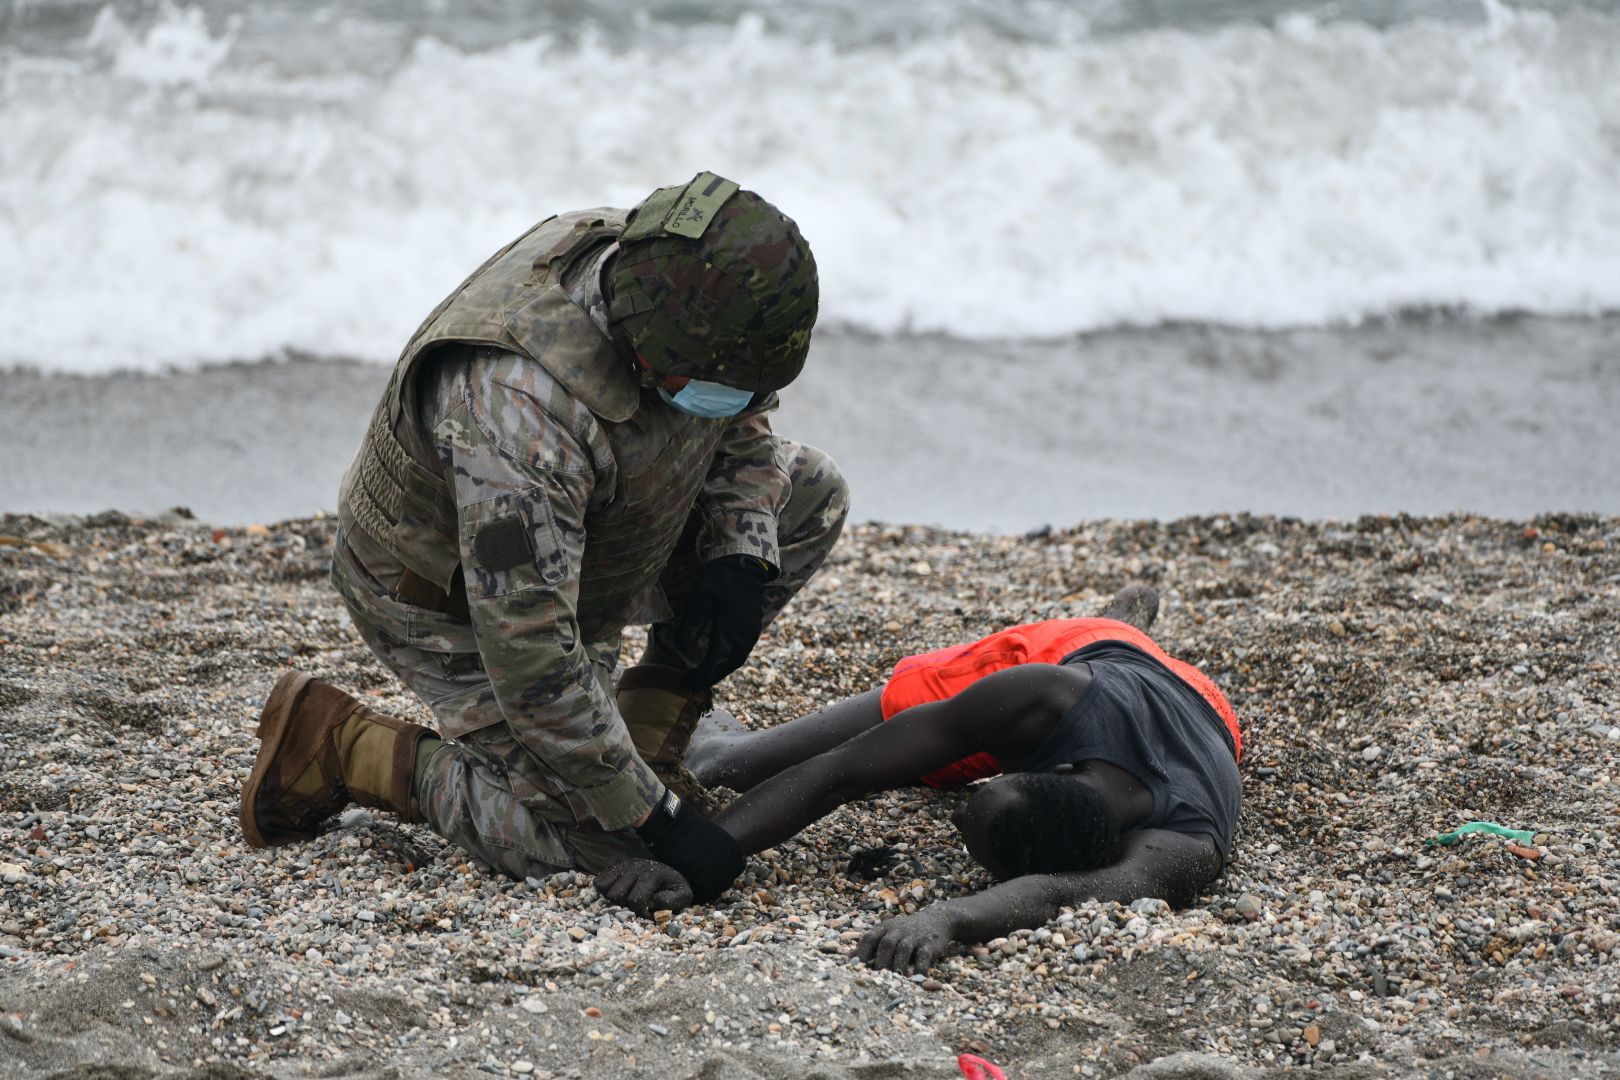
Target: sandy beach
<point>1306,314</point>
<point>1397,677</point>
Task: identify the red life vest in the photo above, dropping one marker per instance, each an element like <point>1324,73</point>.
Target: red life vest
<point>935,676</point>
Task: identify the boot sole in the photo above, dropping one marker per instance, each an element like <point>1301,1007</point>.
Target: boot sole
<point>274,722</point>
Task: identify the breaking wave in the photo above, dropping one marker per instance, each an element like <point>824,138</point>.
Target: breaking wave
<point>182,186</point>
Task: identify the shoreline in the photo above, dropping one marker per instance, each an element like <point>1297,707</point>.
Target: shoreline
<point>1396,676</point>
<point>1505,417</point>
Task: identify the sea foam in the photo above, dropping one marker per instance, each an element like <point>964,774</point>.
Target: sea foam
<point>171,195</point>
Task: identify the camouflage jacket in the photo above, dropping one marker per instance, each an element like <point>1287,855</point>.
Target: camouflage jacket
<point>529,464</point>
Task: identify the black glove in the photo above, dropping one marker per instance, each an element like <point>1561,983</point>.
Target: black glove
<point>644,886</point>
<point>705,854</point>
<point>728,599</point>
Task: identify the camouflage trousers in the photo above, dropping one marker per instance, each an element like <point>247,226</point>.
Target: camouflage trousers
<point>483,791</point>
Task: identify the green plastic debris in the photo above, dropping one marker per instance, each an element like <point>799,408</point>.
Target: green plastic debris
<point>1523,836</point>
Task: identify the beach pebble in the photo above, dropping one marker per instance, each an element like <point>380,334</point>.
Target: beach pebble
<point>378,941</point>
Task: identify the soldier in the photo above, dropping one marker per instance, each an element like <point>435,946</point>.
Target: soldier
<point>575,441</point>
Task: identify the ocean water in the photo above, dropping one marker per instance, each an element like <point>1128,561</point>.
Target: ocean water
<point>183,185</point>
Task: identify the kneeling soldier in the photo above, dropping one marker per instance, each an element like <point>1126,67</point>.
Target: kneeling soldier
<point>575,441</point>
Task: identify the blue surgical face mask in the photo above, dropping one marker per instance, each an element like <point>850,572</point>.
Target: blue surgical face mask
<point>708,399</point>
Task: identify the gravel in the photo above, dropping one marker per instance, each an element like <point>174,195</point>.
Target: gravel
<point>1397,677</point>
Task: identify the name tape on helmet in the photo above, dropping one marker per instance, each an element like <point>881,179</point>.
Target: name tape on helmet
<point>696,206</point>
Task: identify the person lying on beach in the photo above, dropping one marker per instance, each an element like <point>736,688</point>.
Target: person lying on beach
<point>1118,775</point>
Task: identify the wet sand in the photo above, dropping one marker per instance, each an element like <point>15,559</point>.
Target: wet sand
<point>1507,417</point>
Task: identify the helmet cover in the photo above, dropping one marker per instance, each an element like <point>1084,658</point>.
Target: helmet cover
<point>714,283</point>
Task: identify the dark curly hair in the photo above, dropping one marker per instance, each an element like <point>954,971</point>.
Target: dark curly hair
<point>1055,823</point>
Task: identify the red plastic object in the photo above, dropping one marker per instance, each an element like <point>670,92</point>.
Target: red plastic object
<point>975,1067</point>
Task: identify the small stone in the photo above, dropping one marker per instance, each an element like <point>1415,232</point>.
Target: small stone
<point>593,1012</point>
<point>523,1068</point>
<point>578,933</point>
<point>1327,1047</point>
<point>658,1029</point>
<point>532,1005</point>
<point>1312,1035</point>
<point>1371,753</point>
<point>1249,906</point>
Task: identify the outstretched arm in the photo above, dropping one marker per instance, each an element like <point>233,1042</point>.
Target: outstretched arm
<point>1169,865</point>
<point>1007,714</point>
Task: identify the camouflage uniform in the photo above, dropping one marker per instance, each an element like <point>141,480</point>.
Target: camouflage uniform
<point>520,500</point>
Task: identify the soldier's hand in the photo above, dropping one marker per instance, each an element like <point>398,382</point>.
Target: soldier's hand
<point>707,856</point>
<point>728,601</point>
<point>644,886</point>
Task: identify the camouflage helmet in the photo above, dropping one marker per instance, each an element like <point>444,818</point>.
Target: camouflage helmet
<point>714,283</point>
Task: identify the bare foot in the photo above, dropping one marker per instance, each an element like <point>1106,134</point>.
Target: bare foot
<point>716,734</point>
<point>1136,604</point>
<point>717,721</point>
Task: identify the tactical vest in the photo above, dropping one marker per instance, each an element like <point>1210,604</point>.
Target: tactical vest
<point>394,490</point>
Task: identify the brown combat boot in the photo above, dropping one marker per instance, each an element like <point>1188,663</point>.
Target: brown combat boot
<point>661,715</point>
<point>319,750</point>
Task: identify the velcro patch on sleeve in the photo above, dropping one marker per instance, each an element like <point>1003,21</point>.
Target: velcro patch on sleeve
<point>503,544</point>
<point>697,205</point>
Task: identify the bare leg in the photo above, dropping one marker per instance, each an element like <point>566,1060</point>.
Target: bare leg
<point>742,759</point>
<point>1136,604</point>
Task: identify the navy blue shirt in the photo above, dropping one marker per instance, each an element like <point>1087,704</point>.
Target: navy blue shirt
<point>1138,716</point>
